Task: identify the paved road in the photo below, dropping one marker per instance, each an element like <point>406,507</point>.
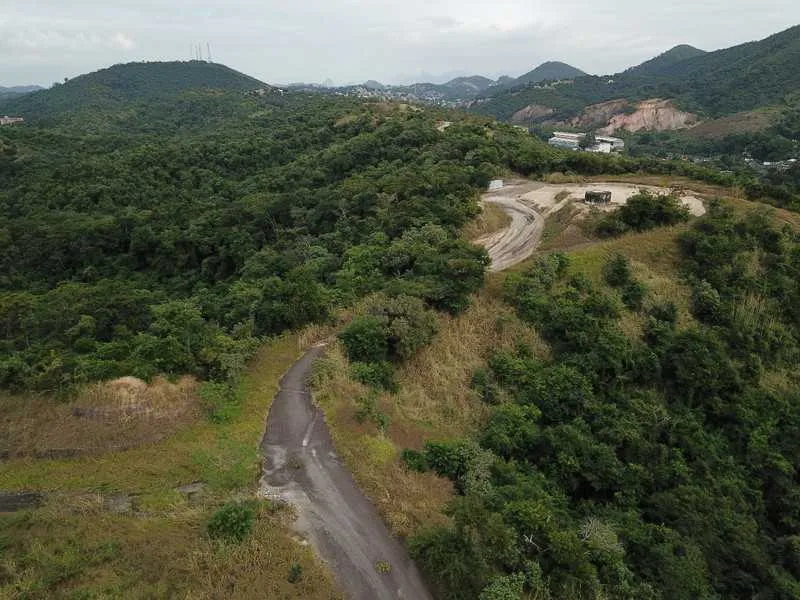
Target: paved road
<point>301,468</point>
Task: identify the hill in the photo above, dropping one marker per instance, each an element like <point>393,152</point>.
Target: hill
<point>549,71</point>
<point>469,85</point>
<point>713,84</point>
<point>110,88</point>
<point>657,65</point>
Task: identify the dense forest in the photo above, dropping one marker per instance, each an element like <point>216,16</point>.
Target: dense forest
<point>132,252</point>
<point>660,466</point>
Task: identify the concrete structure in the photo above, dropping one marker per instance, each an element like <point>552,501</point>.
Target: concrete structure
<point>496,184</point>
<point>597,197</point>
<point>11,120</point>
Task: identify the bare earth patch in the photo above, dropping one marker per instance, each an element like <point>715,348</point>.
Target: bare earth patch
<point>107,416</point>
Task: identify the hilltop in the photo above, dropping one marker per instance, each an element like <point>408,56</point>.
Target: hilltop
<point>110,88</point>
<point>660,63</point>
<point>549,71</point>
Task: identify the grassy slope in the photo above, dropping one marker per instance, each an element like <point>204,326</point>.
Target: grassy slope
<point>435,400</point>
<point>160,550</point>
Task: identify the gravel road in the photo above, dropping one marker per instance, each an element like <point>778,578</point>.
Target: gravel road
<point>302,469</point>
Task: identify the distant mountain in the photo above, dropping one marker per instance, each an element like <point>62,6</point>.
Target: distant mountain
<point>470,85</point>
<point>20,89</point>
<point>17,90</point>
<point>549,71</point>
<point>119,84</point>
<point>709,84</point>
<point>374,85</point>
<point>662,62</point>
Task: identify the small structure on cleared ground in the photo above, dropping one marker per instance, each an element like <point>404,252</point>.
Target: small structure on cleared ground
<point>11,120</point>
<point>597,197</point>
<point>495,184</point>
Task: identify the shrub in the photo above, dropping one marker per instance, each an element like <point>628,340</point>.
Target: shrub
<point>414,460</point>
<point>368,411</point>
<point>234,521</point>
<point>365,339</point>
<point>295,573</point>
<point>220,401</point>
<point>409,325</point>
<point>379,375</point>
<point>633,295</point>
<point>617,271</point>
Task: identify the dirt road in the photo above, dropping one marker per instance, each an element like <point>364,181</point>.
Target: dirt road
<point>529,203</point>
<point>301,468</point>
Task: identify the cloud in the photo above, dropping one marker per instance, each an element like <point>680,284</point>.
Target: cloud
<point>355,40</point>
<point>123,41</point>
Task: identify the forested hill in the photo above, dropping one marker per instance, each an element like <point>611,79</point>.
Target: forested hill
<point>178,250</point>
<point>664,61</point>
<point>712,84</point>
<point>116,87</point>
<point>549,71</point>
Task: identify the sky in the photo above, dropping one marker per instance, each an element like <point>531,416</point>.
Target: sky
<point>349,41</point>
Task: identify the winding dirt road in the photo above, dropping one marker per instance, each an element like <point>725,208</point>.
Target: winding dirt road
<point>302,469</point>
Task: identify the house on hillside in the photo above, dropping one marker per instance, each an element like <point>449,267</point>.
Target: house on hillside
<point>11,120</point>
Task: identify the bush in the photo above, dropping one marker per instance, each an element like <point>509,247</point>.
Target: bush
<point>408,324</point>
<point>414,460</point>
<point>633,295</point>
<point>617,271</point>
<point>234,521</point>
<point>295,573</point>
<point>365,339</point>
<point>220,401</point>
<point>379,375</point>
<point>368,410</point>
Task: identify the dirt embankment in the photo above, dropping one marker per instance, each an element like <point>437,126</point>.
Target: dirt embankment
<point>532,111</point>
<point>651,115</point>
<point>599,113</point>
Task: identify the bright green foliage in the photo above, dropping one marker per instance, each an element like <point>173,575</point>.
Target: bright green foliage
<point>653,469</point>
<point>234,521</point>
<point>378,375</point>
<point>295,573</point>
<point>617,271</point>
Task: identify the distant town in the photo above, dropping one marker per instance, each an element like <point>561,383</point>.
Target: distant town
<point>11,120</point>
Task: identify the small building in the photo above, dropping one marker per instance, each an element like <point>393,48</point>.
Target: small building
<point>496,184</point>
<point>11,120</point>
<point>597,197</point>
<point>572,141</point>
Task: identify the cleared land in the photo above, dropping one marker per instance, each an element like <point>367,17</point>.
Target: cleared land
<point>529,203</point>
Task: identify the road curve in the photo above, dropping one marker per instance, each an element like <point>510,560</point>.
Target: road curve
<point>519,240</point>
<point>302,468</point>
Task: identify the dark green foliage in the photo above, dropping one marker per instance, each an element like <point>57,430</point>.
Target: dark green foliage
<point>233,521</point>
<point>175,241</point>
<point>365,339</point>
<point>617,271</point>
<point>640,471</point>
<point>378,375</point>
<point>414,460</point>
<point>633,295</point>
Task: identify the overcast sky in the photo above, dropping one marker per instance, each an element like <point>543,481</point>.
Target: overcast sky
<point>393,41</point>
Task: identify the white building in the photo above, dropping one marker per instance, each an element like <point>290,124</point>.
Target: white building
<point>11,120</point>
<point>572,141</point>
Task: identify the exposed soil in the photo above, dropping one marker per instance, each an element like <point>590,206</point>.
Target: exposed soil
<point>301,468</point>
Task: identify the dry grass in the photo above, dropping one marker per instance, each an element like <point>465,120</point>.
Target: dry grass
<point>161,549</point>
<point>492,219</point>
<point>435,402</point>
<point>59,553</point>
<point>559,178</point>
<point>108,416</point>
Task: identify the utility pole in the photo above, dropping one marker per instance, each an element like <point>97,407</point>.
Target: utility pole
<point>208,47</point>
